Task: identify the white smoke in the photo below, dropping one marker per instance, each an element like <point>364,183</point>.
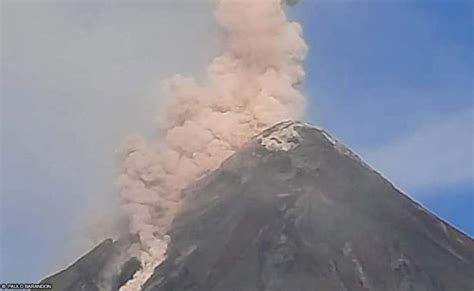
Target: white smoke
<point>251,86</point>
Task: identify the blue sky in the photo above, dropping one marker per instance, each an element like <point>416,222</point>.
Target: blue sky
<point>394,81</point>
<point>391,79</point>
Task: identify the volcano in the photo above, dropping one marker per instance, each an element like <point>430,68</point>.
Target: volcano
<point>292,210</point>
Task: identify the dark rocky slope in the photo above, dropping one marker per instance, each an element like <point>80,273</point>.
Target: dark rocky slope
<point>295,210</point>
<point>103,268</point>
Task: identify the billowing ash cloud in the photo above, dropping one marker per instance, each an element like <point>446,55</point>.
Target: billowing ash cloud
<point>251,86</point>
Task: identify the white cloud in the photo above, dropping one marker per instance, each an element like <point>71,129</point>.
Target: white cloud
<point>436,154</point>
<point>77,77</point>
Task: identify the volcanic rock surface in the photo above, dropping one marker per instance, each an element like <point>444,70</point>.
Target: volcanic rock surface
<point>293,210</point>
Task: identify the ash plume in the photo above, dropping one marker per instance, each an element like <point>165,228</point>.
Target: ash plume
<point>250,86</point>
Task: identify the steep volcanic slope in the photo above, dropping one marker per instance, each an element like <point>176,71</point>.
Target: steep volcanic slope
<point>295,210</point>
<point>301,213</point>
<point>106,267</point>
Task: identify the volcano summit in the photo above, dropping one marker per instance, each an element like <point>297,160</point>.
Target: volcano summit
<point>292,210</point>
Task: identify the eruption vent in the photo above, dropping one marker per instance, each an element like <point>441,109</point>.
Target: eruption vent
<point>251,86</point>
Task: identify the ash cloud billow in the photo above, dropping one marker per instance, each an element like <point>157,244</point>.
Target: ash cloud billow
<point>250,86</point>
